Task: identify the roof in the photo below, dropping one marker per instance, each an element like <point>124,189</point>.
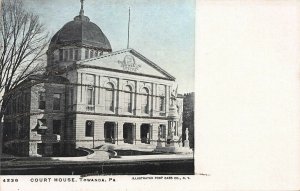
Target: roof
<point>117,61</point>
<point>80,32</point>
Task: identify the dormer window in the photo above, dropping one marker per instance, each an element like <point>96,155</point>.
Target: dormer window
<point>61,56</point>
<point>91,54</point>
<point>76,54</point>
<point>66,55</point>
<point>71,54</point>
<point>86,53</point>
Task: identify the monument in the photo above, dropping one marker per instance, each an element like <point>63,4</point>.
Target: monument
<point>173,143</point>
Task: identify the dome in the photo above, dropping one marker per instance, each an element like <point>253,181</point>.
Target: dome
<point>80,32</point>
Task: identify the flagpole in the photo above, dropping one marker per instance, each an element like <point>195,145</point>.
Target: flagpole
<point>128,28</point>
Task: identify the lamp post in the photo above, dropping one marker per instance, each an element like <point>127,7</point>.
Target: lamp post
<point>93,136</point>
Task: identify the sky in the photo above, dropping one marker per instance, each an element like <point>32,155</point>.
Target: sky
<point>163,31</point>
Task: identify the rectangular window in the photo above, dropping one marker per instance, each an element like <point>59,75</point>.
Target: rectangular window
<point>71,123</point>
<point>56,101</point>
<point>86,53</point>
<point>40,148</point>
<point>162,131</point>
<point>56,149</point>
<point>71,54</point>
<point>7,111</point>
<point>61,56</point>
<point>42,100</point>
<point>71,96</point>
<point>18,104</point>
<point>66,55</point>
<point>56,126</point>
<point>89,128</point>
<point>90,96</point>
<point>23,102</point>
<point>161,104</point>
<point>26,102</point>
<point>76,54</point>
<point>14,106</point>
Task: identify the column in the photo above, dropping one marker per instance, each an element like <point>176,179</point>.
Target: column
<point>134,133</point>
<point>32,148</point>
<point>155,132</point>
<point>117,100</point>
<point>167,99</point>
<point>138,133</point>
<point>134,106</point>
<point>102,95</point>
<point>152,108</point>
<point>79,91</point>
<point>159,143</point>
<point>97,94</point>
<point>137,101</point>
<point>115,140</point>
<point>99,132</point>
<point>155,98</point>
<point>121,99</point>
<point>120,133</point>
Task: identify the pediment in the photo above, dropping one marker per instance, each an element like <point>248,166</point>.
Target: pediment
<point>127,61</point>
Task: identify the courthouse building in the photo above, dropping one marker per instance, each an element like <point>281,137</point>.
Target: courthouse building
<point>90,95</point>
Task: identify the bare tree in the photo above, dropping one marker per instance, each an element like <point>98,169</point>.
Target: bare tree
<point>23,41</point>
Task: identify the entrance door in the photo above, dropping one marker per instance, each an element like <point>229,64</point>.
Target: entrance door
<point>145,133</point>
<point>128,133</point>
<point>109,132</point>
<point>40,148</point>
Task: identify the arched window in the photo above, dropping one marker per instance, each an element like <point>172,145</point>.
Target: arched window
<point>90,96</point>
<point>145,100</point>
<point>128,99</point>
<point>109,97</point>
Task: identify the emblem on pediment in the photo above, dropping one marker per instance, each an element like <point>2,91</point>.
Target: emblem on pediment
<point>129,64</point>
